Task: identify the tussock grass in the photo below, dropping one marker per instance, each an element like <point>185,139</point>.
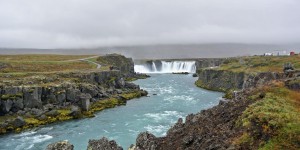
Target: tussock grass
<point>273,120</point>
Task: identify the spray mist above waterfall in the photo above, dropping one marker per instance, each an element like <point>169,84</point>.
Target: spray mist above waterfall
<point>159,66</point>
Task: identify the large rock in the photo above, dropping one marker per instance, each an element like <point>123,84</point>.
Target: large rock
<point>85,101</point>
<point>131,85</point>
<point>61,97</point>
<point>75,112</point>
<point>18,104</point>
<point>6,105</point>
<point>103,144</point>
<point>72,95</point>
<point>61,145</point>
<point>146,141</point>
<point>32,97</point>
<point>18,122</point>
<point>120,83</point>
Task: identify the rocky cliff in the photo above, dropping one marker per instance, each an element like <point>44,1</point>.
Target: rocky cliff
<point>42,99</point>
<point>223,80</point>
<point>209,62</point>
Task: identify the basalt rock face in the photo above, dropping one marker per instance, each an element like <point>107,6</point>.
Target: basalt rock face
<point>118,62</point>
<point>210,129</point>
<point>221,80</point>
<point>94,85</point>
<point>209,62</point>
<point>42,99</point>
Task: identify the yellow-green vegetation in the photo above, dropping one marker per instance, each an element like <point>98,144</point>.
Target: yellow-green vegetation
<point>113,102</point>
<point>41,57</point>
<point>10,96</point>
<point>273,119</point>
<point>65,114</point>
<point>62,115</point>
<point>200,84</point>
<point>15,67</point>
<point>128,96</point>
<point>14,64</point>
<point>255,64</point>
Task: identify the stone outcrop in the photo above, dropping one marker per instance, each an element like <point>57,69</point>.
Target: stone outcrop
<point>66,95</point>
<point>61,145</point>
<point>118,62</point>
<point>146,141</point>
<point>221,80</point>
<point>209,62</point>
<point>103,144</point>
<point>213,128</point>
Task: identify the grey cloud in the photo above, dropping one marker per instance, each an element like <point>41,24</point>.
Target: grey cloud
<point>92,23</point>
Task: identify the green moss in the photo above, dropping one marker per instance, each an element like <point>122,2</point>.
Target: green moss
<point>131,95</point>
<point>200,84</point>
<point>11,96</point>
<point>65,114</point>
<point>274,121</point>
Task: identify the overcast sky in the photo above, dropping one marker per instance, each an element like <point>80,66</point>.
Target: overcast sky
<point>93,23</point>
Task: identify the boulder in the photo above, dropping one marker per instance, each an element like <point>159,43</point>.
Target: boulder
<point>131,85</point>
<point>6,105</point>
<point>120,83</point>
<point>75,112</point>
<point>52,113</point>
<point>61,145</point>
<point>93,90</point>
<point>17,104</point>
<point>85,101</point>
<point>72,95</point>
<point>18,122</point>
<point>146,140</point>
<point>143,93</point>
<point>32,97</point>
<point>61,97</point>
<point>36,112</point>
<point>103,144</point>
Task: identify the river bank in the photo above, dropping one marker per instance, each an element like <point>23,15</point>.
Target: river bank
<point>156,113</point>
<point>31,99</point>
<point>261,110</point>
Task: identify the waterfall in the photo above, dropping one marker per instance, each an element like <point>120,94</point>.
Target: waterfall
<point>165,67</point>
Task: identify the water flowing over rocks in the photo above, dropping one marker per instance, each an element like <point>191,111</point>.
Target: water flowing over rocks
<point>210,129</point>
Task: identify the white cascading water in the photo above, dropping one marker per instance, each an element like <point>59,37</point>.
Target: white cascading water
<point>167,67</point>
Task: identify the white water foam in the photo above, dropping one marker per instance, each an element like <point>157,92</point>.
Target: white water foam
<point>165,115</point>
<point>186,98</point>
<point>166,67</point>
<point>25,140</point>
<point>159,130</point>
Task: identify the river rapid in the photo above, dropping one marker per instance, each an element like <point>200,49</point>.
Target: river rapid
<point>171,96</point>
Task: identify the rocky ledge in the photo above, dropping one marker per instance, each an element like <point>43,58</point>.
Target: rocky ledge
<point>40,99</point>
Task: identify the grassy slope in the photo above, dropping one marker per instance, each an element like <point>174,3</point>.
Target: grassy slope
<point>271,122</point>
<point>43,63</point>
<point>259,63</point>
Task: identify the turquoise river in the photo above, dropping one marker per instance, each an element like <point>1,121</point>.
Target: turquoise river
<point>171,97</point>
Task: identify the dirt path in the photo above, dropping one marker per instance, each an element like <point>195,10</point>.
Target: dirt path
<point>87,60</point>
